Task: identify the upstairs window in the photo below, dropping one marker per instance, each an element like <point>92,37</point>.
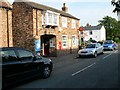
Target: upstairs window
<point>73,24</point>
<point>91,32</point>
<point>55,19</point>
<point>64,22</point>
<point>49,17</point>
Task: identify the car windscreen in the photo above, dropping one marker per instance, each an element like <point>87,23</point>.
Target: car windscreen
<point>108,43</point>
<point>90,46</point>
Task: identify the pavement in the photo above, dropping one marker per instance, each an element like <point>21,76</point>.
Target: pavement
<point>63,57</point>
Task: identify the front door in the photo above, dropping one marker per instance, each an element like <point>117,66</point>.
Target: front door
<point>48,45</point>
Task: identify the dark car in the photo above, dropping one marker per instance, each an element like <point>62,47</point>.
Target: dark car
<point>19,64</point>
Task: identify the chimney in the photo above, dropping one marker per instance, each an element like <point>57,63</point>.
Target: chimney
<point>88,24</point>
<point>64,8</point>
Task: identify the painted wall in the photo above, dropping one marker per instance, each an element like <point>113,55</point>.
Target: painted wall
<point>97,35</point>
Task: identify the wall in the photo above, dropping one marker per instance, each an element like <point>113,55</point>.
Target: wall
<point>27,27</point>
<point>3,28</point>
<point>23,26</point>
<point>103,33</point>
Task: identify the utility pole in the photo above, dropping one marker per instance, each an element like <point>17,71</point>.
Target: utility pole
<point>117,7</point>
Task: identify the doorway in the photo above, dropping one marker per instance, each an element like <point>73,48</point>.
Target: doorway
<point>48,43</point>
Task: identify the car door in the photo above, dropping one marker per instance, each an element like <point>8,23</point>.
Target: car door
<point>100,48</point>
<point>97,48</point>
<point>28,64</point>
<point>11,66</point>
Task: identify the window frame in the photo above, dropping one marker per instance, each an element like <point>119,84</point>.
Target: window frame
<point>73,24</point>
<point>74,40</point>
<point>65,41</point>
<point>25,51</point>
<point>91,32</point>
<point>64,22</point>
<point>7,61</point>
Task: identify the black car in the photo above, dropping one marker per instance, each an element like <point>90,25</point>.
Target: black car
<point>19,64</point>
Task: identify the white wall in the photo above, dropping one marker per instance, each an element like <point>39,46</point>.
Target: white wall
<point>118,16</point>
<point>103,33</point>
<point>97,35</point>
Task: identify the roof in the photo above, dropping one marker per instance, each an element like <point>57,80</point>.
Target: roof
<point>92,27</point>
<point>43,7</point>
<point>5,4</point>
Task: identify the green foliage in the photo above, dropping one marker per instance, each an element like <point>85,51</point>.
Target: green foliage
<point>112,27</point>
<point>116,39</point>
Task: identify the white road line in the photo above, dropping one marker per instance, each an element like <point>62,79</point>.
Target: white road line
<point>83,69</point>
<point>107,56</point>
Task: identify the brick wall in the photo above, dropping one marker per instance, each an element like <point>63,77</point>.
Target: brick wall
<point>4,27</point>
<point>23,26</point>
<point>27,27</point>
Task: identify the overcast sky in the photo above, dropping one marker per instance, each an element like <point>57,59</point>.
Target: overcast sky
<point>87,11</point>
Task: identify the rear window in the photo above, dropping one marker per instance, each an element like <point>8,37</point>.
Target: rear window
<point>8,56</point>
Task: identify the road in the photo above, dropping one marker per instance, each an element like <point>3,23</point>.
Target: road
<point>73,72</point>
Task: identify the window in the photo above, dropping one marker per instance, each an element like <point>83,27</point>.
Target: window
<point>50,18</point>
<point>25,55</point>
<point>8,56</point>
<point>64,41</point>
<point>73,24</point>
<point>55,19</point>
<point>74,40</point>
<point>64,22</point>
<point>91,33</point>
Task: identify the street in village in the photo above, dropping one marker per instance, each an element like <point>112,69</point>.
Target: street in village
<point>54,33</point>
<point>72,72</point>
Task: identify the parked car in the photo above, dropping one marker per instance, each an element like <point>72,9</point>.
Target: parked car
<point>92,49</point>
<point>19,64</point>
<point>109,45</point>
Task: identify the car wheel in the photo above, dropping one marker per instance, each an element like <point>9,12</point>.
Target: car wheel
<point>102,52</point>
<point>79,56</point>
<point>46,72</point>
<point>112,49</point>
<point>95,54</point>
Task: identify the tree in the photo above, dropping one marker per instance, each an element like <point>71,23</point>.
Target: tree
<point>112,27</point>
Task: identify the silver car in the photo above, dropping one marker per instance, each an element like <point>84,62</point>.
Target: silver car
<point>92,49</point>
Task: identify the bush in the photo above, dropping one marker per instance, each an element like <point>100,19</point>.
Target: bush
<point>117,40</point>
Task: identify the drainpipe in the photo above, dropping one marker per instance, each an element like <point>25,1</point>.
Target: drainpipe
<point>36,23</point>
<point>7,28</point>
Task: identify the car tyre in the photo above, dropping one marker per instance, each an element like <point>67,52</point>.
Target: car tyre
<point>79,56</point>
<point>102,52</point>
<point>46,72</point>
<point>95,54</point>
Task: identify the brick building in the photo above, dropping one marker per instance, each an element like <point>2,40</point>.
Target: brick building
<point>5,24</point>
<point>39,27</point>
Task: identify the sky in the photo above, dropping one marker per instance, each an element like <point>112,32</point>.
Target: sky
<point>88,11</point>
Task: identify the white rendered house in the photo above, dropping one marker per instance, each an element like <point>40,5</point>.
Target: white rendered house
<point>97,33</point>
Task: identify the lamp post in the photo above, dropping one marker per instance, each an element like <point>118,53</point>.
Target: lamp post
<point>117,7</point>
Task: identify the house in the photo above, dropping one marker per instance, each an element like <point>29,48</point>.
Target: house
<point>97,33</point>
<point>44,29</point>
<point>6,39</point>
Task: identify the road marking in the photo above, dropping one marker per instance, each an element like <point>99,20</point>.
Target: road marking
<point>107,56</point>
<point>116,51</point>
<point>83,69</point>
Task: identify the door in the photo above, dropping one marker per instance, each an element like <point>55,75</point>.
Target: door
<point>28,66</point>
<point>11,66</point>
